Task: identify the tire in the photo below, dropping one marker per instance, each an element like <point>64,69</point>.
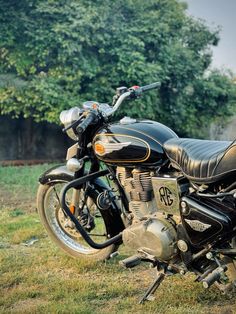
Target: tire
<point>67,238</point>
<point>231,265</point>
<point>230,272</point>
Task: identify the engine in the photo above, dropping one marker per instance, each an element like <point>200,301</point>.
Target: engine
<point>157,233</point>
<point>151,231</point>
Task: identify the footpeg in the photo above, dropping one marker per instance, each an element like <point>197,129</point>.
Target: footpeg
<point>131,261</point>
<point>214,276</point>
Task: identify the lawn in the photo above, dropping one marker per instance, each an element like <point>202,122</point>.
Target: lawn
<point>36,277</point>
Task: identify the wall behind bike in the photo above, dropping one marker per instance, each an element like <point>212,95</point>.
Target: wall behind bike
<point>226,132</point>
<point>23,139</point>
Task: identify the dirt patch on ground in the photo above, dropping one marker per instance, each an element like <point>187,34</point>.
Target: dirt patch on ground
<point>27,305</point>
<point>13,199</point>
<point>225,310</point>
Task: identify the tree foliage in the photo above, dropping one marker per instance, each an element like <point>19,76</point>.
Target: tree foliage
<point>55,54</point>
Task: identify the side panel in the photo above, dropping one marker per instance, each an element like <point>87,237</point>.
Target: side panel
<point>206,220</point>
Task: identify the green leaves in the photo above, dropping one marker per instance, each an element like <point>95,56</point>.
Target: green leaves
<point>60,53</point>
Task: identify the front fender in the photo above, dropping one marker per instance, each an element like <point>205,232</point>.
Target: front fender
<point>56,174</point>
<point>61,173</point>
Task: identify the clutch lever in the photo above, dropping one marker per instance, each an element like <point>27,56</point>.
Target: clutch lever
<point>74,124</point>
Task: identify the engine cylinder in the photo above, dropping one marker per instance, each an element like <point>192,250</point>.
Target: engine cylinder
<point>137,184</point>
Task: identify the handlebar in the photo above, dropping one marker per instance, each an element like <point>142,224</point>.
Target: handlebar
<point>150,86</point>
<point>91,117</point>
<point>133,92</point>
<point>119,102</point>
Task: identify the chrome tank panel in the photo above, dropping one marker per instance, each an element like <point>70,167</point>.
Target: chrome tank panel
<point>135,143</point>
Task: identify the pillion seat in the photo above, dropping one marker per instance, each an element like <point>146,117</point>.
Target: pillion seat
<point>202,160</point>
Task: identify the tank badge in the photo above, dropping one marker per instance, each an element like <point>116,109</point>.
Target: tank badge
<point>197,225</point>
<point>102,149</point>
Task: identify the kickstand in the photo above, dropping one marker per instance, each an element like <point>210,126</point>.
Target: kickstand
<point>148,294</point>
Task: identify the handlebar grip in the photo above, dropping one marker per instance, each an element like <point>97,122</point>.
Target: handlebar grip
<point>87,121</point>
<point>150,86</point>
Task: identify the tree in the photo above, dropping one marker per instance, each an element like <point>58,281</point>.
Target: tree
<point>57,54</point>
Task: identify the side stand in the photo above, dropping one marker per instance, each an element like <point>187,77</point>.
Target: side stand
<point>148,294</point>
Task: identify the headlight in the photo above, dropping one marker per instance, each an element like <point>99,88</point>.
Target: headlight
<point>67,117</point>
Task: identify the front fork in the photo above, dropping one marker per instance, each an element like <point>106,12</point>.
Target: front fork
<point>75,201</point>
<point>116,217</point>
<point>77,204</point>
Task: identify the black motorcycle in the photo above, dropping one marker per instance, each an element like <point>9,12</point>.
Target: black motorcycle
<point>170,200</point>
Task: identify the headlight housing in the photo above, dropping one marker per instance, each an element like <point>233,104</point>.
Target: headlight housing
<point>67,117</point>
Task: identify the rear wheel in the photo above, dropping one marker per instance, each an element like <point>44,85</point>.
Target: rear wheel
<point>231,265</point>
<point>62,231</point>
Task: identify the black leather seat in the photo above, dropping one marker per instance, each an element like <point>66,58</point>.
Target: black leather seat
<point>202,160</point>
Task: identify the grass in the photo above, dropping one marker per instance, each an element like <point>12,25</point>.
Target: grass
<point>42,279</point>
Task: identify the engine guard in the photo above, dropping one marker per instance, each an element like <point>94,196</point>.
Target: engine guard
<point>111,215</point>
<point>60,172</point>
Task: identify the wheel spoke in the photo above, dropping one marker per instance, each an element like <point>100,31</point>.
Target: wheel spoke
<point>57,196</point>
<point>67,233</point>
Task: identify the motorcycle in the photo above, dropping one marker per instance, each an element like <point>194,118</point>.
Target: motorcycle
<point>170,200</point>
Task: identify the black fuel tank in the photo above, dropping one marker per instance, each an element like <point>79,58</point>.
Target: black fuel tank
<point>140,142</point>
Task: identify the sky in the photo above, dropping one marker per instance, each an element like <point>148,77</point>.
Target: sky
<point>219,13</point>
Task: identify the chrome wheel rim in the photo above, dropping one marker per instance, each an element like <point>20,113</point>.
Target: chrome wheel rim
<point>62,227</point>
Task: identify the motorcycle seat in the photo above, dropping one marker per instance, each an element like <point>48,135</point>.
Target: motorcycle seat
<point>202,161</point>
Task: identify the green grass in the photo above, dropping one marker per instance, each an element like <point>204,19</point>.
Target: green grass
<point>23,180</point>
<point>42,279</point>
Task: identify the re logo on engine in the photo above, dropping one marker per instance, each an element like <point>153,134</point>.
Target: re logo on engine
<point>166,191</point>
<point>166,196</point>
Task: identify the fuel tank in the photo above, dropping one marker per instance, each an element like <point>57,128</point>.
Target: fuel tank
<point>139,142</point>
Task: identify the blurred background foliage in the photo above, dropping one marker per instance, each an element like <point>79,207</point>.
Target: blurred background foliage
<point>55,54</point>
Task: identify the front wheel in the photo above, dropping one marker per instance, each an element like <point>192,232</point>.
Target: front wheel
<point>63,232</point>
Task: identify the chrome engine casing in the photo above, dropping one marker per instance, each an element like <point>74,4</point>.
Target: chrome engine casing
<point>155,236</point>
<point>150,231</point>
